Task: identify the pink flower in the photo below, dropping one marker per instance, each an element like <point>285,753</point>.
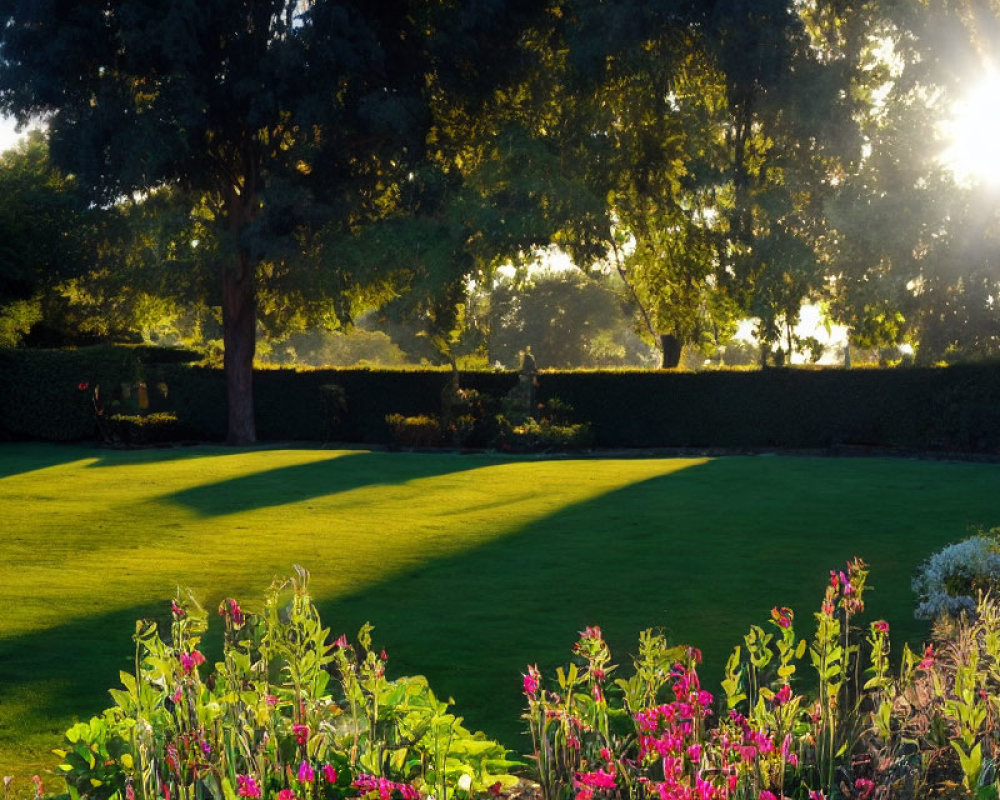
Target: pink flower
<point>864,787</point>
<point>817,796</point>
<point>191,660</point>
<point>782,616</point>
<point>531,681</point>
<point>585,793</point>
<point>598,779</point>
<point>306,773</point>
<point>928,660</point>
<point>766,795</point>
<point>231,609</point>
<point>591,632</point>
<point>384,656</point>
<point>341,642</point>
<point>605,754</point>
<point>881,626</point>
<point>694,752</point>
<point>301,733</point>
<point>783,695</point>
<point>246,786</point>
<point>329,773</point>
<point>286,794</point>
<point>271,700</point>
<point>176,609</point>
<point>129,791</point>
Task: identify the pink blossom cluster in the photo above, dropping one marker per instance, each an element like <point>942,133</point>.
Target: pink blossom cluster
<point>246,786</point>
<point>368,784</point>
<point>586,782</point>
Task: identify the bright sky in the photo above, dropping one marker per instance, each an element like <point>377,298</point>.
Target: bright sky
<point>8,136</point>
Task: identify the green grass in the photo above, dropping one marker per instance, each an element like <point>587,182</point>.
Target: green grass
<point>470,567</point>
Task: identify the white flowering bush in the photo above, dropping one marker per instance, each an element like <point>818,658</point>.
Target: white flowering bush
<point>950,581</point>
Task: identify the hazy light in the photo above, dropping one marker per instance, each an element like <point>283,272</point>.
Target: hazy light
<point>973,134</point>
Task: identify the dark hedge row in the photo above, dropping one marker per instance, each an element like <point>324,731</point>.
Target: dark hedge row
<point>946,409</point>
<point>49,394</point>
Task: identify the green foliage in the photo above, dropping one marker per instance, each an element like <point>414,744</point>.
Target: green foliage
<point>422,430</point>
<point>285,709</point>
<point>160,426</point>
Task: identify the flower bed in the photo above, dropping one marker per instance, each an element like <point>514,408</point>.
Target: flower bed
<point>289,714</point>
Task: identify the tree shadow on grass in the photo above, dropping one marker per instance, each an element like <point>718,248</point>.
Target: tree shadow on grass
<point>341,472</point>
<point>17,458</point>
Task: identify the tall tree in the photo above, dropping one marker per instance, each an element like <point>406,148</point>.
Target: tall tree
<point>293,123</point>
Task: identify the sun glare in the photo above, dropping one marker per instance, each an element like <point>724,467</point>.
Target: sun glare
<point>973,134</point>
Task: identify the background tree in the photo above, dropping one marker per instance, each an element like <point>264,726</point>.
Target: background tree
<point>294,124</point>
<point>48,233</point>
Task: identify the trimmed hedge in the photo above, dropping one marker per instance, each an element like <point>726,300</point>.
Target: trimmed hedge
<point>939,409</point>
<point>48,394</point>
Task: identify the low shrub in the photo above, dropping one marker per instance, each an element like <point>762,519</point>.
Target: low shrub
<point>534,436</point>
<point>422,430</point>
<point>160,426</point>
<point>950,581</point>
<point>285,714</point>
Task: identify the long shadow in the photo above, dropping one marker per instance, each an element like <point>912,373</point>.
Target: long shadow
<point>17,458</point>
<point>342,472</point>
<point>703,552</point>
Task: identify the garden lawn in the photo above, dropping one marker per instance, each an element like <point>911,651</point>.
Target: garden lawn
<point>470,567</point>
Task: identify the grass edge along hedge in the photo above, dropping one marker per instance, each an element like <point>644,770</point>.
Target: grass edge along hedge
<point>948,409</point>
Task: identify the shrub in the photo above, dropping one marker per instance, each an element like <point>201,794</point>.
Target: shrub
<point>160,426</point>
<point>543,436</point>
<point>422,430</point>
<point>285,714</point>
<point>950,581</point>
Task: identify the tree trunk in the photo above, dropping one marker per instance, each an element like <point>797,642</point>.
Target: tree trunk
<point>239,324</point>
<point>671,347</point>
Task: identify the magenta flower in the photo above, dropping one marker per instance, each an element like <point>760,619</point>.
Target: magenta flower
<point>231,610</point>
<point>881,626</point>
<point>329,773</point>
<point>176,609</point>
<point>531,680</point>
<point>306,773</point>
<point>783,695</point>
<point>301,734</point>
<point>191,660</point>
<point>286,794</point>
<point>864,787</point>
<point>246,786</point>
<point>928,660</point>
<point>599,779</point>
<point>766,795</point>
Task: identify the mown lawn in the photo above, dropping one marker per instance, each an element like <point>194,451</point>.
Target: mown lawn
<point>470,567</point>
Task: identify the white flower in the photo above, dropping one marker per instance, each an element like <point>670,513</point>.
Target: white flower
<point>465,782</point>
<point>972,562</point>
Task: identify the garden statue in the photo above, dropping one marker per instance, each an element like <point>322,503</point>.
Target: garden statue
<point>528,380</point>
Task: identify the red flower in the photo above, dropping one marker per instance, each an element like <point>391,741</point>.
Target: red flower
<point>881,626</point>
<point>83,386</point>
